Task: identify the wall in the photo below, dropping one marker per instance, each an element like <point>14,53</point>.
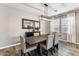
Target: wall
<point>45,25</point>
<point>77,27</point>
<point>10,24</point>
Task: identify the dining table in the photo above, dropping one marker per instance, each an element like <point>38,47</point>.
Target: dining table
<point>36,40</point>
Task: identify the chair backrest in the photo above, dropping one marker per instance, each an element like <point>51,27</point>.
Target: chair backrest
<point>56,40</point>
<point>50,41</point>
<point>56,37</point>
<point>23,44</point>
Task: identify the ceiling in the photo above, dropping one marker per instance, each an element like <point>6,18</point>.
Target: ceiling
<point>60,7</point>
<point>38,8</point>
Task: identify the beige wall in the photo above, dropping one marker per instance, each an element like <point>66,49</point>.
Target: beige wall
<point>10,24</point>
<point>45,25</point>
<point>77,27</point>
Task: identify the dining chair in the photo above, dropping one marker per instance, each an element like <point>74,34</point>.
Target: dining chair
<point>48,44</point>
<point>56,41</point>
<point>25,48</point>
<point>55,44</point>
<point>56,38</point>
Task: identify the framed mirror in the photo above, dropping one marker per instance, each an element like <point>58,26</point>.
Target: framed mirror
<point>37,26</point>
<point>27,24</point>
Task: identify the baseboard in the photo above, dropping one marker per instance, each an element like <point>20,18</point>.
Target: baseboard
<point>9,46</point>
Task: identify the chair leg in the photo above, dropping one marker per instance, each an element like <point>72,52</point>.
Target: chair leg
<point>24,54</point>
<point>41,51</point>
<point>52,51</point>
<point>21,53</point>
<point>47,53</point>
<point>35,52</point>
<point>29,53</point>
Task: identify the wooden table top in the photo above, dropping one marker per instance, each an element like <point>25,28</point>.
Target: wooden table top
<point>36,39</point>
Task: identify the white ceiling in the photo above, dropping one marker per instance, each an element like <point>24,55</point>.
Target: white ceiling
<point>38,8</point>
<point>60,7</point>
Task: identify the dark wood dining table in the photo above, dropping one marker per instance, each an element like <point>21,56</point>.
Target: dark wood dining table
<point>36,40</point>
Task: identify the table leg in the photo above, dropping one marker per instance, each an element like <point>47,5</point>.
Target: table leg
<point>39,49</point>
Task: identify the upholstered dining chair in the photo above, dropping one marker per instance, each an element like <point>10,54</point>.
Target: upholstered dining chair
<point>48,44</point>
<point>24,48</point>
<point>55,44</point>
